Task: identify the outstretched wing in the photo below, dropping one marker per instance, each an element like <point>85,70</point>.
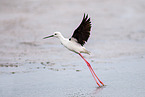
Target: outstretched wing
<point>82,33</point>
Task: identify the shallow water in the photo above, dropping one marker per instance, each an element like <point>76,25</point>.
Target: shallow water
<point>31,66</point>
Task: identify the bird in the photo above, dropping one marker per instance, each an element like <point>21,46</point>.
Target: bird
<point>77,41</point>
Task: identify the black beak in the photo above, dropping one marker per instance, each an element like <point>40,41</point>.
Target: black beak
<point>48,36</point>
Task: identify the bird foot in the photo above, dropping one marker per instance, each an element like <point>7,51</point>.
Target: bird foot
<point>102,83</point>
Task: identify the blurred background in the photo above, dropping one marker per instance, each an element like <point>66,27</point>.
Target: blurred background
<point>117,35</point>
<point>117,27</point>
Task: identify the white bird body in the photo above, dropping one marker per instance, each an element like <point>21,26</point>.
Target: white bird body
<point>76,42</point>
<point>71,44</point>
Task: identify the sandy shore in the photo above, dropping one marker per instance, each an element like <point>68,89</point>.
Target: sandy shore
<point>33,67</point>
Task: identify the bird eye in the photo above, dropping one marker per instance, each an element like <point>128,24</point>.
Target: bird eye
<point>55,34</point>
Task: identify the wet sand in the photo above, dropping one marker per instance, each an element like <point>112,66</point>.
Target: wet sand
<point>31,66</point>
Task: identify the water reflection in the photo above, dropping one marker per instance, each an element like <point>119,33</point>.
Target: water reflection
<point>98,90</point>
<point>89,92</point>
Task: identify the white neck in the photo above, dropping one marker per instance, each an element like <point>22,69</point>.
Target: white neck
<point>61,38</point>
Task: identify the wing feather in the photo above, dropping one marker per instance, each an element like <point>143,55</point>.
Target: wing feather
<point>82,33</point>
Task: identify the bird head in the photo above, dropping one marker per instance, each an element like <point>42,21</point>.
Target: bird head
<point>56,34</point>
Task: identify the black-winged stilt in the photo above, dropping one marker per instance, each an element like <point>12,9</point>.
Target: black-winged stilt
<point>76,42</point>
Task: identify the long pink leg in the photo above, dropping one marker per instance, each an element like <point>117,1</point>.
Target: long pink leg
<point>92,71</point>
<point>97,76</point>
<point>93,75</point>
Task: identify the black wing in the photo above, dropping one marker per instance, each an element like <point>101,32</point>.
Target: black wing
<point>82,33</point>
